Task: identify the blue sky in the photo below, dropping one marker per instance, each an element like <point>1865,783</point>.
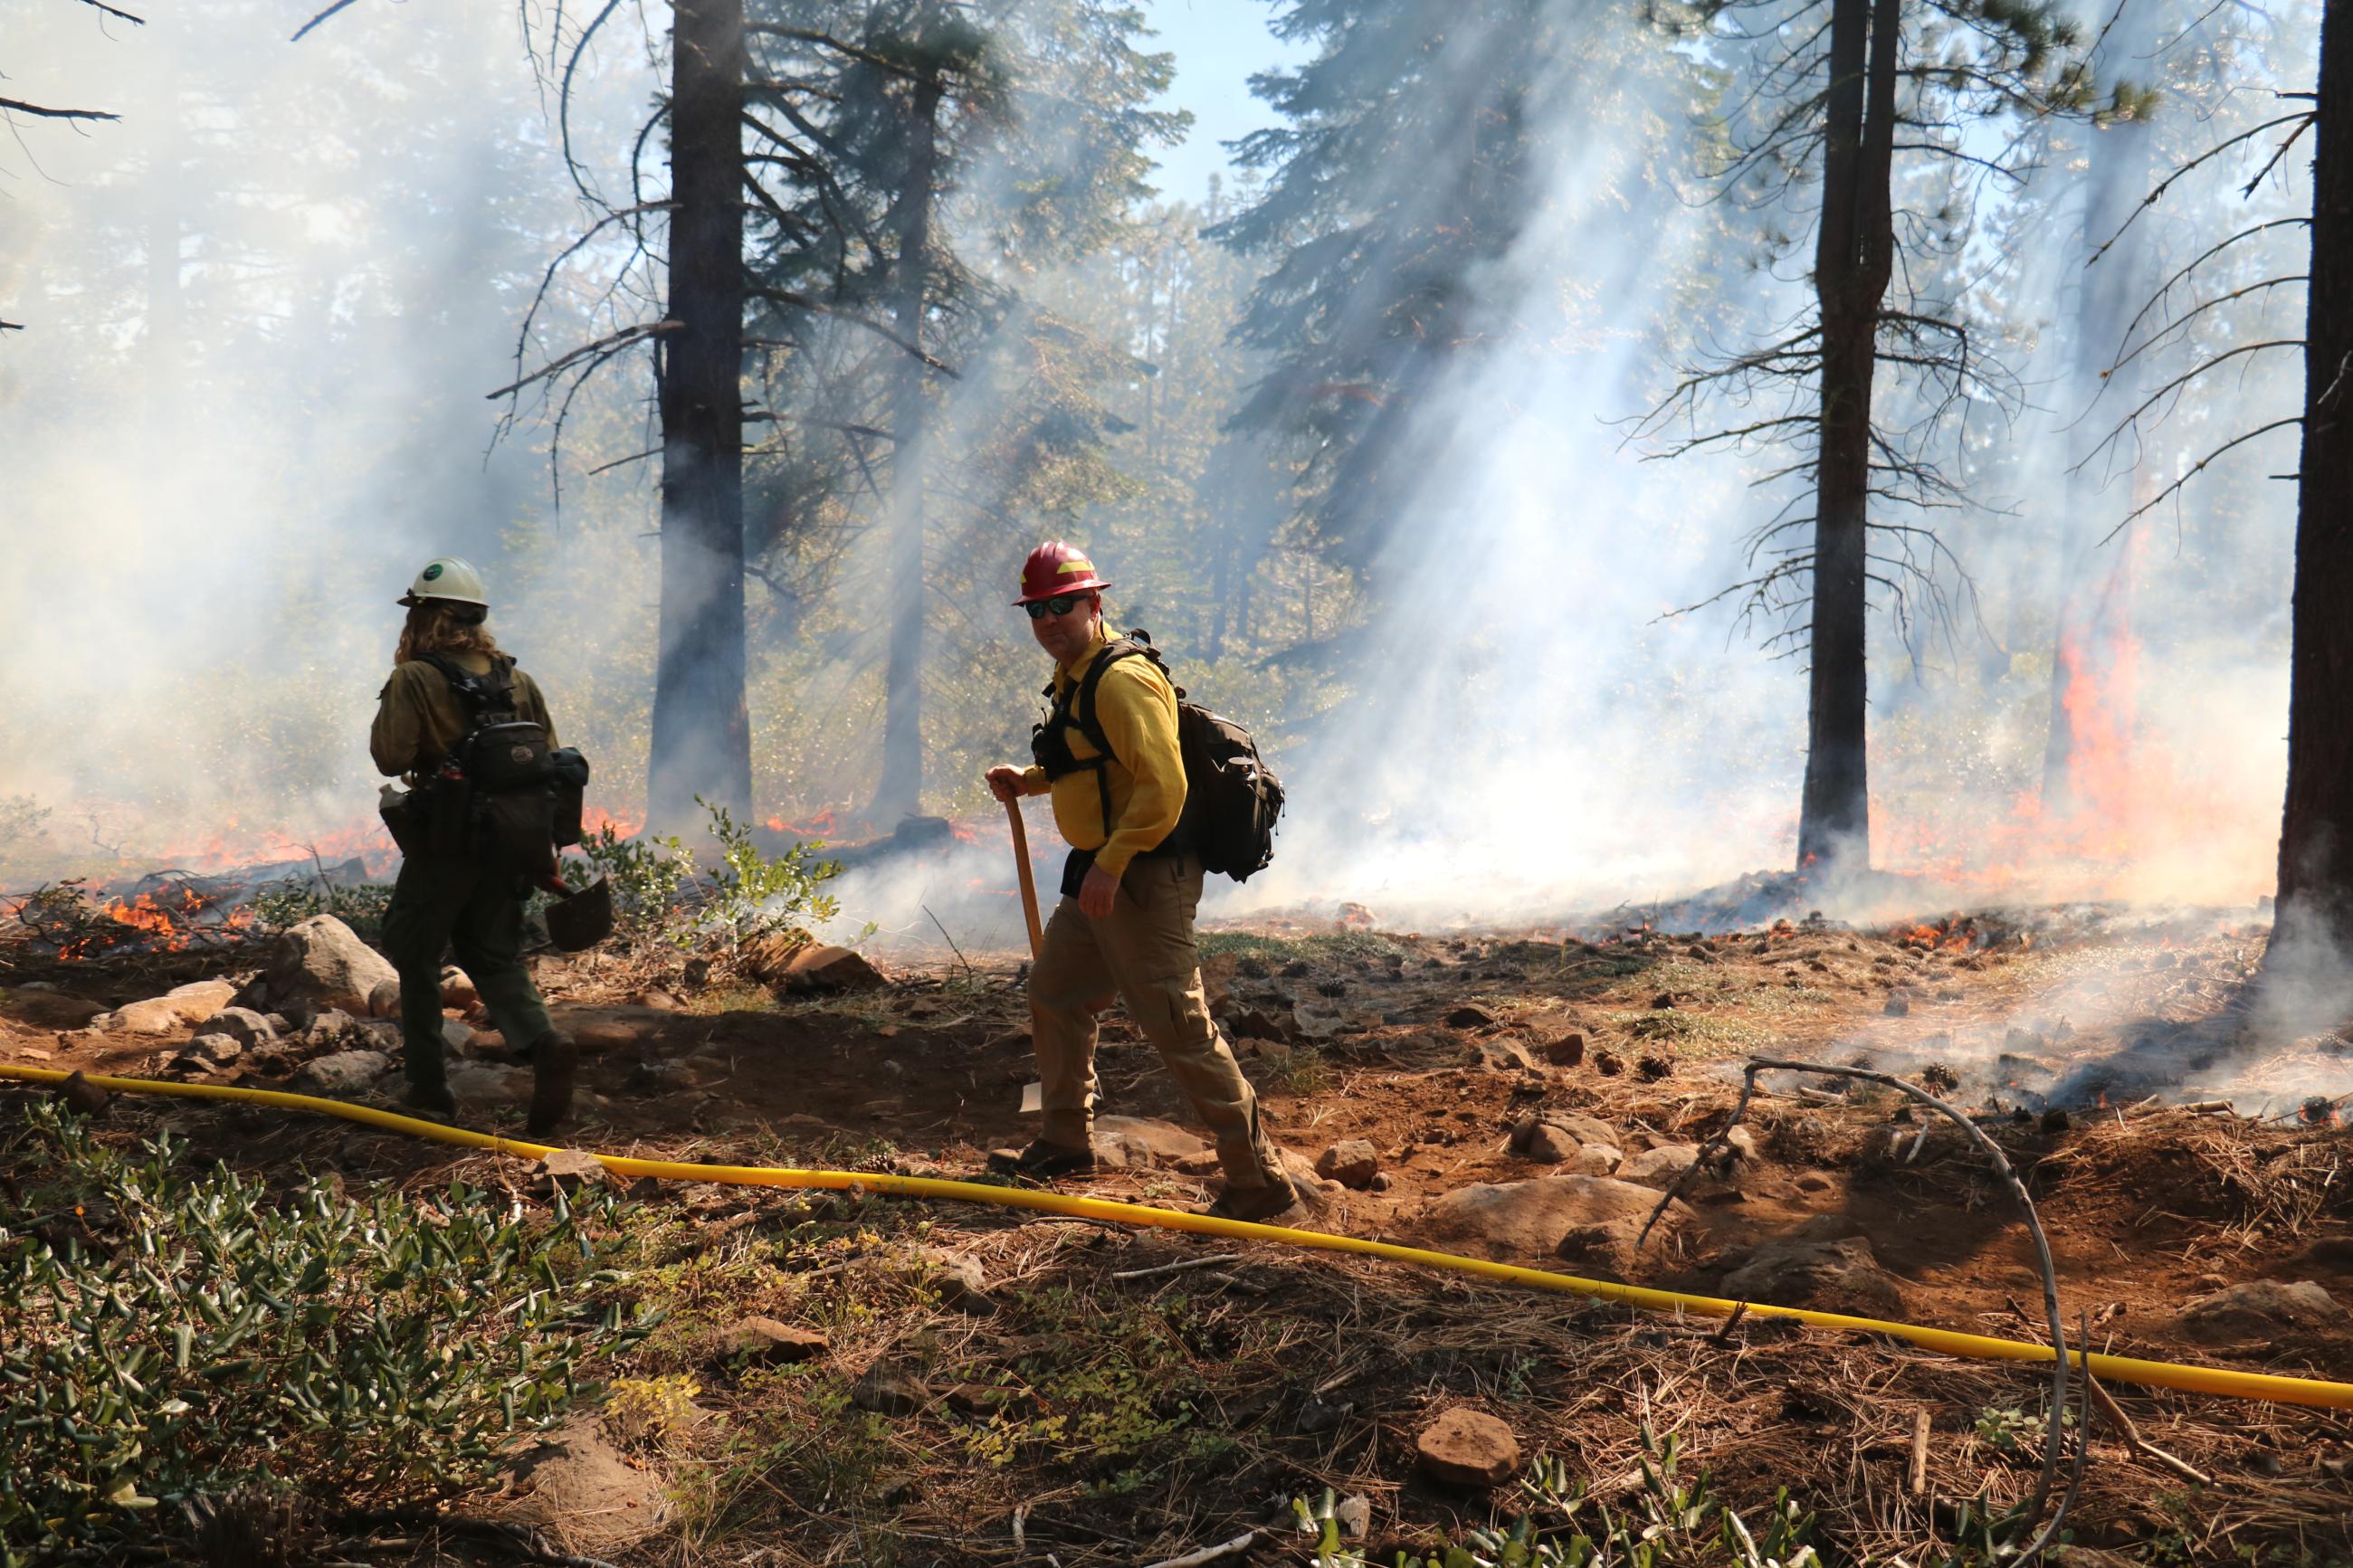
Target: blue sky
<point>1218,43</point>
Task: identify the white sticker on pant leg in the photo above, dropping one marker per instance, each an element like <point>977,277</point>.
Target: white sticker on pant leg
<point>1033,1098</point>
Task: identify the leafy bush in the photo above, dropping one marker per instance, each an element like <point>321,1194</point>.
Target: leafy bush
<point>296,899</point>
<point>167,1338</point>
<point>662,894</point>
<point>1667,1524</point>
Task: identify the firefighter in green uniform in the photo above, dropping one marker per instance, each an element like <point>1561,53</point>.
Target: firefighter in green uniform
<point>464,893</point>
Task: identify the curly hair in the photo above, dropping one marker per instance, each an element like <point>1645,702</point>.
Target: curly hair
<point>438,625</point>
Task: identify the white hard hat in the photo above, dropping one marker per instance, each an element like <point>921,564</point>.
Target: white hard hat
<point>449,577</point>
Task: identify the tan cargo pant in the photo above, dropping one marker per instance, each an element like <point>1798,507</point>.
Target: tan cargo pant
<point>1143,950</point>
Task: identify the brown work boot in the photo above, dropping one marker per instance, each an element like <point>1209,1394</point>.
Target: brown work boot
<point>553,1060</point>
<point>1277,1196</point>
<point>1042,1161</point>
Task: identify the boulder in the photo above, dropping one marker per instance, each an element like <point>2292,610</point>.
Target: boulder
<point>1548,1145</point>
<point>1140,1142</point>
<point>320,964</point>
<point>1660,1167</point>
<point>1352,1163</point>
<point>155,1016</point>
<point>457,1037</point>
<point>456,990</point>
<point>1512,1222</point>
<point>341,1073</point>
<point>764,1342</point>
<point>822,967</point>
<point>383,1002</point>
<point>53,1009</point>
<point>201,999</point>
<point>1466,1447</point>
<point>242,1024</point>
<point>2264,1309</point>
<point>1840,1276</point>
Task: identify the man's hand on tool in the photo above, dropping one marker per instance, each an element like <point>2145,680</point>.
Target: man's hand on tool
<point>1004,782</point>
<point>1098,893</point>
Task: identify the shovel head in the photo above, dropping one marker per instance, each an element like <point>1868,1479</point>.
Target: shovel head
<point>582,920</point>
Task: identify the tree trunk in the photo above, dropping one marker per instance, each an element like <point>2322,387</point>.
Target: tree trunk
<point>1853,253</point>
<point>702,729</point>
<point>901,792</point>
<point>2314,919</point>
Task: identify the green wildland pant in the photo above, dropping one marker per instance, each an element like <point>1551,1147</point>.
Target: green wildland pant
<point>1143,950</point>
<point>441,903</point>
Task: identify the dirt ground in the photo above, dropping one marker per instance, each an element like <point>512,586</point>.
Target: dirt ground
<point>1433,1048</point>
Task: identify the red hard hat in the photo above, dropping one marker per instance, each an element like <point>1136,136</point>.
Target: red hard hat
<point>1054,568</point>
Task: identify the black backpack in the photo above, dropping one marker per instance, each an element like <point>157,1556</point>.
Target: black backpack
<point>501,790</point>
<point>1231,800</point>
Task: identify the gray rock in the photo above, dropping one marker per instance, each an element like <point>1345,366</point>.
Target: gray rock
<point>488,1085</point>
<point>1352,1163</point>
<point>1140,1142</point>
<point>1511,1222</point>
<point>1549,1145</point>
<point>341,1073</point>
<point>329,1026</point>
<point>1660,1167</point>
<point>1580,1128</point>
<point>1354,1515</point>
<point>242,1024</point>
<point>320,964</point>
<point>2264,1309</point>
<point>1840,1276</point>
<point>457,1037</point>
<point>217,1048</point>
<point>569,1170</point>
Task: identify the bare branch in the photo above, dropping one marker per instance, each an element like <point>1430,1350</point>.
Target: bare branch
<point>125,15</point>
<point>619,340</point>
<point>2201,467</point>
<point>301,32</point>
<point>21,107</point>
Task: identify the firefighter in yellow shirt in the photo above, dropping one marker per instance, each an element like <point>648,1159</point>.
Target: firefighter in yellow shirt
<point>1126,921</point>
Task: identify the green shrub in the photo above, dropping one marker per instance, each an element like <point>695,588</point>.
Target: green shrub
<point>662,894</point>
<point>1667,1524</point>
<point>168,1337</point>
<point>290,902</point>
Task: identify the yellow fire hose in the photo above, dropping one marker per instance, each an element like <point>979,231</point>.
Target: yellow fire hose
<point>2122,1369</point>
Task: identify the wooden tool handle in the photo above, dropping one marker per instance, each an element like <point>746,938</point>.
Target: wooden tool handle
<point>1029,885</point>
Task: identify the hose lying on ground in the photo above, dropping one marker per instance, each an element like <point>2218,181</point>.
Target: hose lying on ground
<point>2124,1368</point>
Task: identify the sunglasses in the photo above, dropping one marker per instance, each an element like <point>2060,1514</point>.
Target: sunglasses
<point>1060,605</point>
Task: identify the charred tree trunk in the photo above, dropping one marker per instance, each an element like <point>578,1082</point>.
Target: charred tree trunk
<point>901,792</point>
<point>2314,921</point>
<point>701,729</point>
<point>1853,255</point>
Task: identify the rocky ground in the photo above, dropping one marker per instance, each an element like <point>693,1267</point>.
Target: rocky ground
<point>995,1387</point>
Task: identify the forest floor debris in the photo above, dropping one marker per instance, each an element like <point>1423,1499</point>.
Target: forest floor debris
<point>1128,1397</point>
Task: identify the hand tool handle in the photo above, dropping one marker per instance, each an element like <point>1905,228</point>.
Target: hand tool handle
<point>1029,885</point>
